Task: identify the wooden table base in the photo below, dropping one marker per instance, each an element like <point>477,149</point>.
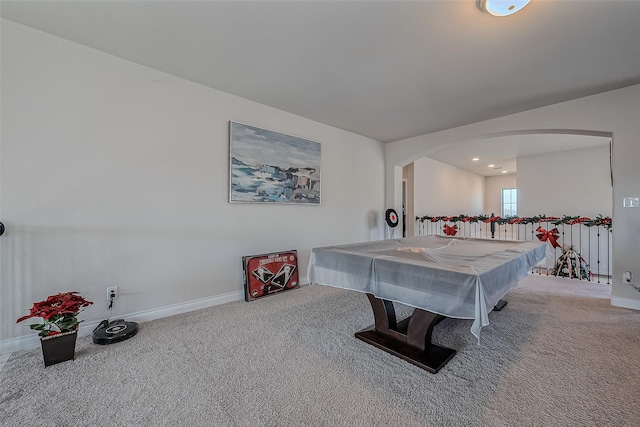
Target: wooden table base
<point>409,339</point>
<point>499,305</point>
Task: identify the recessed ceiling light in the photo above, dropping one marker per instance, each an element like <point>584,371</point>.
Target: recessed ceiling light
<point>475,159</point>
<point>502,7</point>
<point>491,165</point>
<point>504,172</point>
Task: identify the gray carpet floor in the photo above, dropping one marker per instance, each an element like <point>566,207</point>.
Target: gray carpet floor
<point>558,355</point>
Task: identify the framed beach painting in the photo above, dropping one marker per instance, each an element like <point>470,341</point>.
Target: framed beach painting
<point>272,167</point>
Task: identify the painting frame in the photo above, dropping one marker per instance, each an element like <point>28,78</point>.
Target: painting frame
<point>267,166</point>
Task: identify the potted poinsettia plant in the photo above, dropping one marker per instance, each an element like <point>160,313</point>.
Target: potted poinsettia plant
<point>58,329</point>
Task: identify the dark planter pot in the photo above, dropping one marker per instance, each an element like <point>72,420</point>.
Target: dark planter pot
<point>59,348</point>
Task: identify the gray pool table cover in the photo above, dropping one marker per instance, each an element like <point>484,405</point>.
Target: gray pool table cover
<point>456,277</point>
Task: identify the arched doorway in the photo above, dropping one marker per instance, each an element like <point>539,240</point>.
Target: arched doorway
<point>564,173</point>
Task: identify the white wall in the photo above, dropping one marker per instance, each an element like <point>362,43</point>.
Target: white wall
<point>576,182</point>
<point>442,189</point>
<point>610,114</point>
<point>116,174</point>
<point>493,186</point>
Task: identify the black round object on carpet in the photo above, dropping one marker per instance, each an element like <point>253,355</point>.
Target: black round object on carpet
<point>114,331</point>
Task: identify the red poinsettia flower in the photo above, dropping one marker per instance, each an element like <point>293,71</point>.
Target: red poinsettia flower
<point>59,313</point>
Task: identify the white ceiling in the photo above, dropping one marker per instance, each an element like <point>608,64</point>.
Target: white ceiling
<point>502,152</point>
<point>388,70</point>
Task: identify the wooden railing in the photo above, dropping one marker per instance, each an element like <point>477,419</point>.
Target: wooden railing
<point>588,238</point>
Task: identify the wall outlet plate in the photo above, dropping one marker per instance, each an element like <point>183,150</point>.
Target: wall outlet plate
<point>112,291</point>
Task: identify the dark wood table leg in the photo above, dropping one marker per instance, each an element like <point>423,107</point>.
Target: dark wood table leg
<point>499,305</point>
<point>409,339</point>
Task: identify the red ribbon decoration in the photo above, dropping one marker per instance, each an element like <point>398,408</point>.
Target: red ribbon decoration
<point>450,230</point>
<point>551,236</point>
<point>578,220</point>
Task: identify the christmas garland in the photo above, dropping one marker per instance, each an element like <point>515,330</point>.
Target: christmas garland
<point>599,221</point>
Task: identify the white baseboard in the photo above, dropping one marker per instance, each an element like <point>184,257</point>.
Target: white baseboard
<point>633,304</point>
<point>26,342</point>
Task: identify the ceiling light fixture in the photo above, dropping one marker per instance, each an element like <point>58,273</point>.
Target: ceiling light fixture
<point>490,166</point>
<point>502,7</point>
<point>503,172</point>
<point>475,159</point>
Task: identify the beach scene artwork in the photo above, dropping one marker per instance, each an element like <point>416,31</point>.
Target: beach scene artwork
<point>272,167</point>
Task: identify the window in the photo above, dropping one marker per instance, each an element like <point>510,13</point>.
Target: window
<point>509,202</point>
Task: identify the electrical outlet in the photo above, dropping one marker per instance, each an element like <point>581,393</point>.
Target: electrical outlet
<point>112,293</point>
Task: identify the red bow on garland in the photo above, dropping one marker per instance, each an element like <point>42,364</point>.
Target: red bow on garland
<point>551,236</point>
<point>450,230</point>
